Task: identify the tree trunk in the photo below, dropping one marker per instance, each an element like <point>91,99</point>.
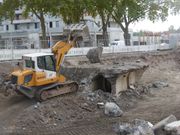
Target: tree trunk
<point>43,28</point>
<point>105,36</point>
<point>127,37</point>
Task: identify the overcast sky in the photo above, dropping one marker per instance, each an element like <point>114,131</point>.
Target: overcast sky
<point>157,26</point>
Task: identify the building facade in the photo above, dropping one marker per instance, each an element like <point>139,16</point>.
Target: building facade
<point>27,31</point>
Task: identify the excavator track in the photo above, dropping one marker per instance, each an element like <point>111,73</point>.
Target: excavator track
<point>46,92</point>
<point>60,89</point>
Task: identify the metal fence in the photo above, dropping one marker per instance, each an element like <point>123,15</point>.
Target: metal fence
<point>16,53</point>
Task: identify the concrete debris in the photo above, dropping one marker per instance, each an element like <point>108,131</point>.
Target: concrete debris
<point>100,105</point>
<point>7,88</point>
<point>86,107</point>
<point>98,96</point>
<point>137,91</point>
<point>37,105</point>
<point>138,61</point>
<point>173,128</point>
<point>137,127</point>
<point>113,110</point>
<point>132,87</point>
<point>94,55</point>
<point>160,84</point>
<point>61,111</point>
<point>150,124</point>
<point>159,127</point>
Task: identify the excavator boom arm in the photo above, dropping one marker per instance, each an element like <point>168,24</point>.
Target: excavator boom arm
<point>60,49</point>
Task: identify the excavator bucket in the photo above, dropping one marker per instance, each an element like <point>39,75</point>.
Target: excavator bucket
<point>81,31</point>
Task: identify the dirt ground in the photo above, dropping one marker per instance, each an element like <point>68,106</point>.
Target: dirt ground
<point>78,113</point>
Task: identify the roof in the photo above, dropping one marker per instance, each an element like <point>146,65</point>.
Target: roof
<point>37,54</point>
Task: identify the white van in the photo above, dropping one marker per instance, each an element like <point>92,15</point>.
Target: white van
<point>117,43</point>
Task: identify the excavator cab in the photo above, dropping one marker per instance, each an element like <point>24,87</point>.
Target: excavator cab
<point>33,65</point>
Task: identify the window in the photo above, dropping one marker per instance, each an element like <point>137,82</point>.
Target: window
<point>46,63</point>
<point>7,27</point>
<point>17,26</point>
<point>28,78</point>
<point>29,64</point>
<point>50,64</point>
<point>57,24</point>
<point>50,24</point>
<point>36,25</point>
<point>41,62</point>
<point>17,16</point>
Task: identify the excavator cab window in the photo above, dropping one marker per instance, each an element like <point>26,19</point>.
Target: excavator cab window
<point>46,62</point>
<point>41,62</point>
<point>29,64</point>
<point>50,65</point>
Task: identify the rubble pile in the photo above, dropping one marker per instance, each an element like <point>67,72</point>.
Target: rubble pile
<point>80,106</point>
<point>6,88</point>
<point>137,127</point>
<point>57,111</point>
<point>167,126</point>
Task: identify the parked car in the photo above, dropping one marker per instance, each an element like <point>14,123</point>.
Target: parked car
<point>117,43</point>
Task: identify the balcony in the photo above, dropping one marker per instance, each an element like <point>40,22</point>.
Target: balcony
<point>17,33</point>
<point>20,21</point>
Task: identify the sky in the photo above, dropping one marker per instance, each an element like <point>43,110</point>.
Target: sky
<point>157,26</point>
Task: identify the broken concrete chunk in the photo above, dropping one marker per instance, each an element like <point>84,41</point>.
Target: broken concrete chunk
<point>100,105</point>
<point>94,55</point>
<point>124,129</point>
<point>160,84</point>
<point>113,110</point>
<point>173,128</point>
<point>159,127</point>
<point>137,127</point>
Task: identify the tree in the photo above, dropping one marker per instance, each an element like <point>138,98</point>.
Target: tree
<point>7,9</point>
<point>130,11</point>
<point>40,8</point>
<point>171,29</point>
<point>71,11</point>
<point>175,6</point>
<point>104,9</point>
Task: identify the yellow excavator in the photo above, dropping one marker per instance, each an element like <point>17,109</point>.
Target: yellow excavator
<point>40,77</point>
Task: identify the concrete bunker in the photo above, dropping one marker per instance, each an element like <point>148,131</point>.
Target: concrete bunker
<point>121,83</point>
<point>115,79</point>
<point>100,82</point>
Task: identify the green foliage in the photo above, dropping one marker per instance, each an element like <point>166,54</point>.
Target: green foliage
<point>124,12</point>
<point>39,6</point>
<point>130,11</point>
<point>72,11</point>
<point>7,9</point>
<point>104,9</point>
<point>175,6</point>
<point>158,10</point>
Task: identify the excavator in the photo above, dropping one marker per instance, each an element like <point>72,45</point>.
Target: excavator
<point>40,76</point>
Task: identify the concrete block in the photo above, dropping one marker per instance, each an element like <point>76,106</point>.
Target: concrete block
<point>173,128</point>
<point>159,127</point>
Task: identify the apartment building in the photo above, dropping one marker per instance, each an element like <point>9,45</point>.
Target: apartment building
<point>27,31</point>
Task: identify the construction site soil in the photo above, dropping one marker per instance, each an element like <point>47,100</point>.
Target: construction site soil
<point>78,113</point>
